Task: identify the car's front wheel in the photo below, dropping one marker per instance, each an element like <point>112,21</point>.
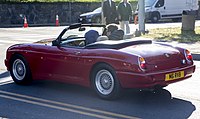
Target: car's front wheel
<point>20,70</point>
<point>105,82</point>
<point>155,17</point>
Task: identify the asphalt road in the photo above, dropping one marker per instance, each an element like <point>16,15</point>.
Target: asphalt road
<point>52,100</point>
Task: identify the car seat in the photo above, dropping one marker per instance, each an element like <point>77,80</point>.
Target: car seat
<point>116,35</point>
<point>91,36</point>
<point>102,38</point>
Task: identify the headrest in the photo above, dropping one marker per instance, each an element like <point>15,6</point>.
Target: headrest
<point>102,38</point>
<point>91,36</point>
<point>116,35</point>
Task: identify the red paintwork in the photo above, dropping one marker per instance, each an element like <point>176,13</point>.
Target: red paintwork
<point>73,65</point>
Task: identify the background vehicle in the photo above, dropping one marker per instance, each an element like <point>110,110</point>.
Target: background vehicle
<point>91,17</point>
<point>173,9</point>
<point>106,66</point>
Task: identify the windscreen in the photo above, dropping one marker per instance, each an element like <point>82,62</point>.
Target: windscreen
<point>77,32</point>
<point>149,3</point>
<point>98,10</point>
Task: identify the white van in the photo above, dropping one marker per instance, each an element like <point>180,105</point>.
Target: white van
<point>173,9</point>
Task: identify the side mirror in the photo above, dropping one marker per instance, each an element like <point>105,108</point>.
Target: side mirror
<point>55,43</point>
<point>75,25</point>
<point>81,29</point>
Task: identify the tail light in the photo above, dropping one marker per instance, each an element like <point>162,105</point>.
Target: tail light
<point>188,55</point>
<point>142,63</point>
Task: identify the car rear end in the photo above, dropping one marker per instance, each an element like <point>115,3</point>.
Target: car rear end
<point>158,65</point>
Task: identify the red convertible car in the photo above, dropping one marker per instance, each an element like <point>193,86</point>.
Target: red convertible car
<point>107,66</point>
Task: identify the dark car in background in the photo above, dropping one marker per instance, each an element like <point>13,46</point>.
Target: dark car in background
<point>91,17</point>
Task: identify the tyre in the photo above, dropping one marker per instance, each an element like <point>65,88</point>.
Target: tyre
<point>155,17</point>
<point>105,82</point>
<point>20,71</point>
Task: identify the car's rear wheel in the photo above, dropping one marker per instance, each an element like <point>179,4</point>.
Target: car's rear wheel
<point>105,82</point>
<point>20,70</point>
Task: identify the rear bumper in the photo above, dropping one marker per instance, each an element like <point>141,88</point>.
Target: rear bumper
<point>150,80</point>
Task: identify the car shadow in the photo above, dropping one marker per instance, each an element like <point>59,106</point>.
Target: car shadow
<point>140,104</point>
<point>158,105</point>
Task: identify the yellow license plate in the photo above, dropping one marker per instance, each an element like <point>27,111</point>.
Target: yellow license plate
<point>173,76</point>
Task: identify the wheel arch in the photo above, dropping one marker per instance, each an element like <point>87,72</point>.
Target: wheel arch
<point>19,55</point>
<point>95,66</point>
<point>13,57</point>
<point>28,75</point>
<point>155,13</point>
<point>114,91</point>
<point>158,13</point>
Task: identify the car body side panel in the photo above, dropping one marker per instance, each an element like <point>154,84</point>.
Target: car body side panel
<point>74,65</point>
<point>61,64</point>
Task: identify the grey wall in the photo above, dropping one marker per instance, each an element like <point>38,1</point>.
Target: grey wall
<point>11,14</point>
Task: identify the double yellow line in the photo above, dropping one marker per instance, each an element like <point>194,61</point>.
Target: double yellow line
<point>64,106</point>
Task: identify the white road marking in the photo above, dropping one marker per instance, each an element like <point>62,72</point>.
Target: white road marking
<point>6,82</point>
<point>10,42</point>
<point>55,107</point>
<point>68,107</point>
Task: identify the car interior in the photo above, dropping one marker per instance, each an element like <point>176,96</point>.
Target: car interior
<point>82,36</point>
